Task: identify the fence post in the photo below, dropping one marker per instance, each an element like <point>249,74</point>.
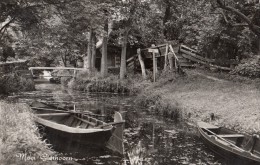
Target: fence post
<point>166,57</point>
<point>154,65</point>
<point>141,63</point>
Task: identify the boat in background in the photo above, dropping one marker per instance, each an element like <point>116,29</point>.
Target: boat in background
<point>235,148</point>
<point>78,128</point>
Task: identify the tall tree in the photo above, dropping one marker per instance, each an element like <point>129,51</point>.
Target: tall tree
<point>131,15</point>
<point>248,19</point>
<point>88,58</point>
<point>104,67</point>
<point>94,50</point>
<point>123,53</point>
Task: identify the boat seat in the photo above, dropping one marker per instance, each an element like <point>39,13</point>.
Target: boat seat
<point>88,122</point>
<point>53,114</point>
<point>231,136</point>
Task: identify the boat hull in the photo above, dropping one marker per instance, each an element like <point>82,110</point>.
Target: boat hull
<point>59,138</point>
<point>232,156</point>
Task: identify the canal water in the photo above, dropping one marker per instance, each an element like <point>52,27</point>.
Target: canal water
<point>148,139</point>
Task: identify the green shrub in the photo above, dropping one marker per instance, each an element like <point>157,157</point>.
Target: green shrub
<point>249,67</point>
<point>13,83</point>
<point>95,83</point>
<point>158,106</point>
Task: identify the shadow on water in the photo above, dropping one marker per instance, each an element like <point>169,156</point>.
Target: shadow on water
<point>147,139</point>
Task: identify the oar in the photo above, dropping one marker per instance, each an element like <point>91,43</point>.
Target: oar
<point>66,111</point>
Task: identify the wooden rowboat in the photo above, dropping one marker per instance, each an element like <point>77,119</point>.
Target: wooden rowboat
<point>79,128</point>
<point>235,148</point>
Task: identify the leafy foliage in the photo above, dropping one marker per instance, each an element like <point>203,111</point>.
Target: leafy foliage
<point>249,67</point>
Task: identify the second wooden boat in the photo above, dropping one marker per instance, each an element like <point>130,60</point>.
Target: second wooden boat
<point>234,147</point>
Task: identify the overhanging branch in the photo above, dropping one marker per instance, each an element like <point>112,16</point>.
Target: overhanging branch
<point>7,24</point>
<point>235,11</point>
<point>247,20</point>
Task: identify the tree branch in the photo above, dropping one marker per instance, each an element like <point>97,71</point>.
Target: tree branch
<point>250,24</point>
<point>228,22</point>
<point>7,24</point>
<point>233,10</point>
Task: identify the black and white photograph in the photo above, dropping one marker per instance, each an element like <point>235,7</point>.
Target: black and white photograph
<point>129,82</point>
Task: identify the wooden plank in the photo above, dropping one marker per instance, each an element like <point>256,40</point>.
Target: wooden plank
<point>154,67</point>
<point>54,76</point>
<point>55,68</point>
<point>196,56</point>
<point>220,67</point>
<point>69,121</point>
<point>53,114</point>
<point>175,56</point>
<point>88,122</point>
<point>190,49</point>
<point>153,50</point>
<point>158,46</point>
<point>74,123</point>
<point>166,57</point>
<point>84,125</point>
<point>207,125</point>
<point>194,59</point>
<point>130,59</point>
<point>231,136</point>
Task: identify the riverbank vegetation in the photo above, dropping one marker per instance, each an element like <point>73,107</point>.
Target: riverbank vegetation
<point>218,98</point>
<point>96,83</point>
<point>20,141</point>
<point>11,82</point>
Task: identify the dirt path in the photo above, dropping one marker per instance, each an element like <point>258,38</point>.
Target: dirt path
<point>196,72</point>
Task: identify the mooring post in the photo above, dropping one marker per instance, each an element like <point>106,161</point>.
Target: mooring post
<point>166,57</point>
<point>31,71</point>
<point>75,73</point>
<point>154,65</point>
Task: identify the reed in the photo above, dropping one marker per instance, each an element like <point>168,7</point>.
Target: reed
<point>159,106</point>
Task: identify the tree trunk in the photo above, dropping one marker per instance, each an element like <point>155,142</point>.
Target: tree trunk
<point>87,60</point>
<point>166,18</point>
<point>166,57</point>
<point>258,44</point>
<point>110,29</point>
<point>104,69</point>
<point>141,63</point>
<point>123,55</point>
<point>170,62</point>
<point>94,51</point>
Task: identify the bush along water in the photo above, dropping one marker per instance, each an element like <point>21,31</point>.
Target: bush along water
<point>156,105</point>
<point>13,82</point>
<point>94,83</point>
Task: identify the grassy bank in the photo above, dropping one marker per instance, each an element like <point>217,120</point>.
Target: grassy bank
<point>14,83</point>
<point>20,141</point>
<point>234,101</point>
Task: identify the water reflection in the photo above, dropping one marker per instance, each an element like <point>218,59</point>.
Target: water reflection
<point>148,139</point>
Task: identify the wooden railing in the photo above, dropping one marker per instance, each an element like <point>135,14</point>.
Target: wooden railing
<point>192,55</point>
<point>57,68</point>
